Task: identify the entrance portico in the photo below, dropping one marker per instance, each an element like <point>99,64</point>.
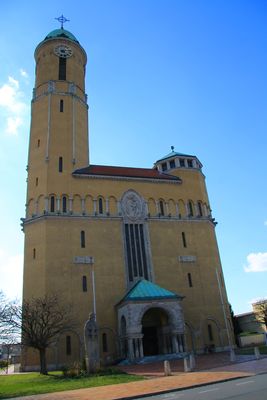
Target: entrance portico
<point>150,321</point>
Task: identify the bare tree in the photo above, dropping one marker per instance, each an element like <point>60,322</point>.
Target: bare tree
<point>260,311</point>
<point>41,321</point>
<point>6,312</point>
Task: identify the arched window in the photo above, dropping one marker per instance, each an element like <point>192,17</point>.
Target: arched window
<point>62,68</point>
<point>161,207</point>
<point>100,205</point>
<point>68,345</point>
<point>64,204</point>
<point>52,204</point>
<point>190,209</point>
<point>36,181</point>
<point>210,333</point>
<point>61,105</point>
<point>60,164</point>
<point>104,343</point>
<point>84,283</point>
<point>199,205</point>
<point>82,239</point>
<point>34,253</point>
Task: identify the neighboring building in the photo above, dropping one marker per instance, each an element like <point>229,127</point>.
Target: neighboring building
<point>158,277</point>
<point>247,323</point>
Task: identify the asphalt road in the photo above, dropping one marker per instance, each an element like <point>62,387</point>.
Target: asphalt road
<point>251,388</point>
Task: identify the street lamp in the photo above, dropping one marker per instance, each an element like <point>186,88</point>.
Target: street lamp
<point>91,262</point>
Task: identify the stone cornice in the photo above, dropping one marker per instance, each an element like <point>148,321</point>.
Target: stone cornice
<point>125,178</point>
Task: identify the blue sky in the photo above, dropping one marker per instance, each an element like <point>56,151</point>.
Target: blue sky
<point>165,72</point>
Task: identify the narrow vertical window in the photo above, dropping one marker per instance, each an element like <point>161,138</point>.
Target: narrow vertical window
<point>34,254</point>
<point>161,207</point>
<point>61,105</point>
<point>189,277</point>
<point>84,284</point>
<point>82,239</point>
<point>52,203</point>
<point>64,204</point>
<point>62,69</point>
<point>100,206</point>
<point>104,343</point>
<point>68,345</point>
<point>60,164</point>
<point>210,332</point>
<point>199,205</point>
<point>184,239</point>
<point>36,181</point>
<point>38,143</point>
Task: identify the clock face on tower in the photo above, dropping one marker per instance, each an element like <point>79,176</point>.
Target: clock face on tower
<point>63,51</point>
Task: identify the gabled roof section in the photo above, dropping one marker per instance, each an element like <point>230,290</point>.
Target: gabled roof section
<point>124,172</point>
<point>145,290</point>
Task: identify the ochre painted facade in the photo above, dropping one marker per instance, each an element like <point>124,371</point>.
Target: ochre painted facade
<point>171,238</point>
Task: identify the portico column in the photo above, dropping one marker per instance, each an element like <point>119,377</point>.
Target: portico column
<point>174,343</point>
<point>130,349</point>
<point>141,351</point>
<point>137,354</point>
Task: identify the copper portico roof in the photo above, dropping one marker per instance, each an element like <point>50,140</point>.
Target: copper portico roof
<point>124,172</point>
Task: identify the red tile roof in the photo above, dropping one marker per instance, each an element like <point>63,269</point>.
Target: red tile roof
<point>127,172</point>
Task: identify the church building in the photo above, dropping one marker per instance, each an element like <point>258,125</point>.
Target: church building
<point>136,246</point>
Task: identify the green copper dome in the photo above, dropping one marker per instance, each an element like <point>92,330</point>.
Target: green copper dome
<point>61,33</point>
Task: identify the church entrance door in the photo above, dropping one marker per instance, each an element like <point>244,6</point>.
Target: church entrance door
<point>153,322</point>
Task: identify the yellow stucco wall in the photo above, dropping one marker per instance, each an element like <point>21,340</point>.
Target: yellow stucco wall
<point>55,236</point>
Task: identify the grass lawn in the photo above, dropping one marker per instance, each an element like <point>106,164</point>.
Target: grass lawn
<point>250,350</point>
<point>34,383</point>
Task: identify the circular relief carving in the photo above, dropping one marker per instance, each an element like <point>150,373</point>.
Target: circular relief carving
<point>132,205</point>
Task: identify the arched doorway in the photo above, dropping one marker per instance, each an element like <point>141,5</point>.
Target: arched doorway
<point>155,323</point>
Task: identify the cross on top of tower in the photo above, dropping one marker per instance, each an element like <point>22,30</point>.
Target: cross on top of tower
<point>62,20</point>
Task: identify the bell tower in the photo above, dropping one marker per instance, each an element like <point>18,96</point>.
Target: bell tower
<point>58,145</point>
<point>59,123</point>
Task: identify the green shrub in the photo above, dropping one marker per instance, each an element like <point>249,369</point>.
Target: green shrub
<point>3,364</point>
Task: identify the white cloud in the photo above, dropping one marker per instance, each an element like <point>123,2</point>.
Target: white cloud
<point>257,262</point>
<point>13,123</point>
<point>13,108</point>
<point>13,82</point>
<point>11,271</point>
<point>23,73</point>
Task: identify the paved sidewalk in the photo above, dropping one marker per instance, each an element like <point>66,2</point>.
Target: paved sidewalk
<point>180,380</point>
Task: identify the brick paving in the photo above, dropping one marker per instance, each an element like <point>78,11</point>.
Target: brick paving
<point>215,368</point>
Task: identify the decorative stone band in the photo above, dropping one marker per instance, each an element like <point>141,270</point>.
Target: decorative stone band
<point>84,260</point>
<point>187,259</point>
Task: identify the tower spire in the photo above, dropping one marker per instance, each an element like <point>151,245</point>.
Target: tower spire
<point>62,20</point>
